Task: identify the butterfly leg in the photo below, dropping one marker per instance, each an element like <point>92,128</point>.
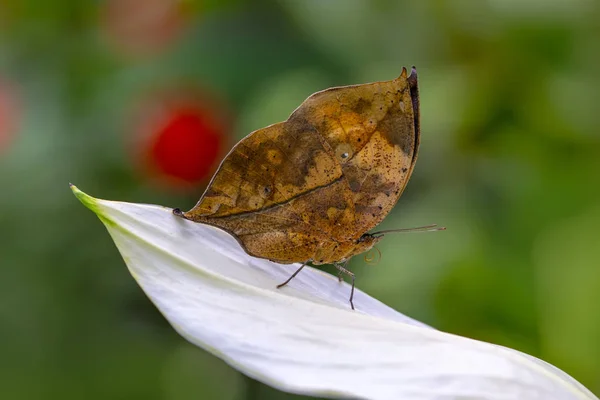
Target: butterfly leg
<point>342,270</point>
<point>291,277</point>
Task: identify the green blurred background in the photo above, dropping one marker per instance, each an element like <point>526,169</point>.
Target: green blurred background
<point>103,94</point>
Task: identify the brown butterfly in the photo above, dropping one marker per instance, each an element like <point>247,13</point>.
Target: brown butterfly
<point>309,189</point>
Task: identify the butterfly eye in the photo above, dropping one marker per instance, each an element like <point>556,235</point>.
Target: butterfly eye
<point>344,155</point>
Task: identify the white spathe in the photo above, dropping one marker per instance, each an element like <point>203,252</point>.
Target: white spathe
<point>304,338</point>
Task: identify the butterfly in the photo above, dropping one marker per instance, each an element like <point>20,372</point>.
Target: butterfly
<point>309,189</point>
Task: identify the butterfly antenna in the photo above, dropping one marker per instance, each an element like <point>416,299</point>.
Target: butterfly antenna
<point>426,228</point>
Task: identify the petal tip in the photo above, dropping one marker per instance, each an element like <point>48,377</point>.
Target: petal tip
<point>84,198</point>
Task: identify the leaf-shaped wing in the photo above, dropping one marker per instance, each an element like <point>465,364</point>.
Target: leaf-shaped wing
<point>312,185</point>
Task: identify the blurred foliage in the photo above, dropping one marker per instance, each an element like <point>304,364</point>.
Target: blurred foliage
<point>510,163</point>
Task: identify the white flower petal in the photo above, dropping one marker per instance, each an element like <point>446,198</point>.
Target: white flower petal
<point>304,338</point>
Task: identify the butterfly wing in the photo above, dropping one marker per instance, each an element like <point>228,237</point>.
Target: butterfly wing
<point>327,175</point>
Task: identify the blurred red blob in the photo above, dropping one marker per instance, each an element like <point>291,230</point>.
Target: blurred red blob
<point>181,140</point>
<point>187,145</point>
<point>9,114</point>
<point>139,27</point>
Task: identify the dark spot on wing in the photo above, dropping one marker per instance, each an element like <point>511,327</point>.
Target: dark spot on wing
<point>362,106</point>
